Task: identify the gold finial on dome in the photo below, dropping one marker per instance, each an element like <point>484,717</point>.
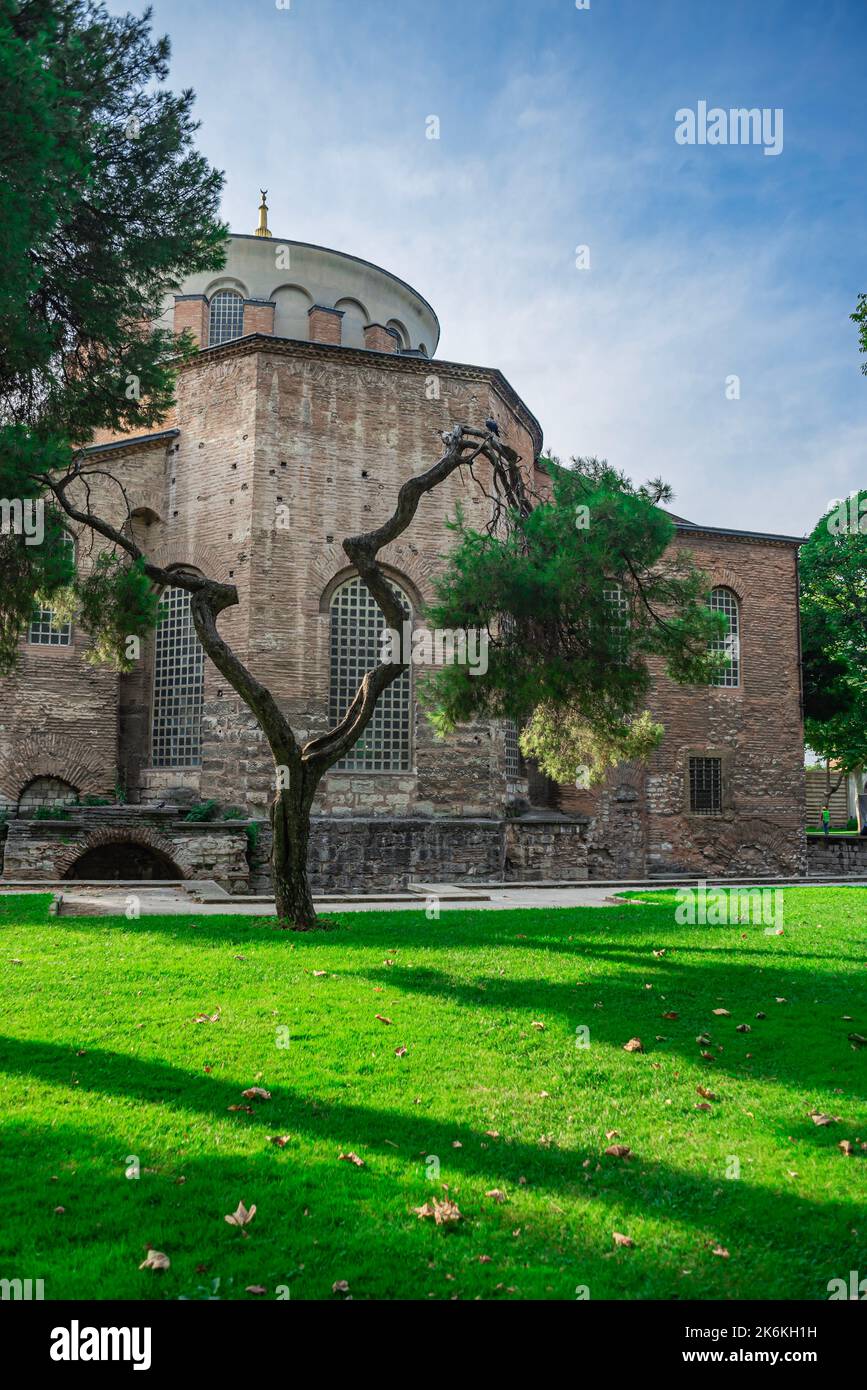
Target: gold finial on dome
<point>262,229</point>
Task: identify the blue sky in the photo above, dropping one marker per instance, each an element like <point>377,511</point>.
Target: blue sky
<point>557,131</point>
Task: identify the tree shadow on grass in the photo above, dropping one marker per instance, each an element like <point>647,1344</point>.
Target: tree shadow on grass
<point>742,1216</point>
<point>793,1045</point>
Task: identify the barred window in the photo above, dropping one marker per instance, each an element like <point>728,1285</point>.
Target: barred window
<point>357,625</point>
<point>724,601</point>
<point>705,786</point>
<point>614,594</point>
<point>44,630</point>
<point>179,678</point>
<point>226,317</point>
<point>511,751</point>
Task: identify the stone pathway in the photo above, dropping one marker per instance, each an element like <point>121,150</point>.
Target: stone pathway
<point>207,899</point>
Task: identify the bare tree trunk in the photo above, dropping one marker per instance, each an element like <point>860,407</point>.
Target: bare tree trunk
<point>290,828</point>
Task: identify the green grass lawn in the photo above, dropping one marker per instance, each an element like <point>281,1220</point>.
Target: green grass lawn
<point>102,1065</point>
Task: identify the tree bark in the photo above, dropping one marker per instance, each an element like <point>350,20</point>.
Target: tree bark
<point>290,828</point>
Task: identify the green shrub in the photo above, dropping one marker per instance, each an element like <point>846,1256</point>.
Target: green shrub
<point>203,811</point>
<point>51,813</point>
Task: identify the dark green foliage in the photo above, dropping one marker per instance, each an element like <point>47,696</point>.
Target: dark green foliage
<point>544,594</point>
<point>105,207</point>
<point>51,813</point>
<point>834,635</point>
<point>204,810</point>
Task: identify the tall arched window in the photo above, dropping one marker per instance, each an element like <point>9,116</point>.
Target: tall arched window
<point>724,601</point>
<point>179,677</point>
<point>357,625</point>
<point>226,317</point>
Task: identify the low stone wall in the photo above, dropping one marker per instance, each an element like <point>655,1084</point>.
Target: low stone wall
<point>356,854</point>
<point>49,849</point>
<point>348,854</point>
<point>839,857</point>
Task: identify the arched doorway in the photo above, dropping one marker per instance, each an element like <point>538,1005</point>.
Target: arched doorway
<point>123,859</point>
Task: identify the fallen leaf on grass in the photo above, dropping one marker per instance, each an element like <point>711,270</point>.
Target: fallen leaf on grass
<point>281,1140</point>
<point>351,1158</point>
<point>618,1151</point>
<point>208,1018</point>
<point>671,1014</point>
<point>383,1019</point>
<point>540,1026</point>
<point>61,1211</point>
<point>341,1286</point>
<point>256,1288</point>
<point>401,1051</point>
<point>844,1146</point>
<point>743,1028</point>
<point>256,1093</point>
<point>634,1045</point>
<point>245,1109</point>
<point>241,1217</point>
<point>620,1239</point>
<point>444,1213</point>
<point>659,953</point>
<point>721,1251</point>
<point>857,1040</point>
<point>703,1105</point>
<point>155,1260</point>
<point>612,1134</point>
<point>318,974</point>
<point>497,1194</point>
<point>819,1119</point>
<point>484,1259</point>
<point>705,1093</point>
<point>722,1013</point>
<point>492,1133</point>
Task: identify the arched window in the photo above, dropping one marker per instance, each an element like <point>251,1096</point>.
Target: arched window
<point>179,677</point>
<point>226,317</point>
<point>357,625</point>
<point>724,601</point>
<point>402,336</point>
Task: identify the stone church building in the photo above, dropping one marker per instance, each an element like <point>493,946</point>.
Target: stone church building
<point>316,392</point>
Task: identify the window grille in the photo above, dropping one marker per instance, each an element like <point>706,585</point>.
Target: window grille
<point>179,678</point>
<point>226,319</point>
<point>511,751</point>
<point>724,601</point>
<point>705,786</point>
<point>44,631</point>
<point>357,625</point>
<point>615,596</point>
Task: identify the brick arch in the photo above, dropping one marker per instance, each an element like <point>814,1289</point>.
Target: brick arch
<point>192,555</point>
<point>54,755</point>
<point>723,578</point>
<point>148,500</point>
<point>118,835</point>
<point>331,567</point>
